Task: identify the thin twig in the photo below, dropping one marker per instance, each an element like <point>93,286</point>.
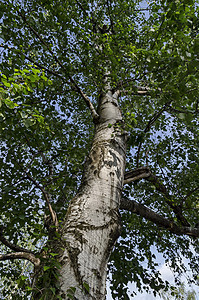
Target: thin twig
<point>170,108</point>
<point>158,33</point>
<point>37,64</point>
<point>47,198</point>
<point>148,127</point>
<point>191,192</point>
<point>177,209</point>
<point>53,215</point>
<point>44,68</point>
<point>109,13</point>
<point>139,90</point>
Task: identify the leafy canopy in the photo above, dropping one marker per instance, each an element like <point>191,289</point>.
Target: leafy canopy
<point>50,50</point>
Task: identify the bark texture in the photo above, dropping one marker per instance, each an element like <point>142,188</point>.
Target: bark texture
<point>92,223</point>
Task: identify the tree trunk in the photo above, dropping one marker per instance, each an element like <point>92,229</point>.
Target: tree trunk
<point>92,222</point>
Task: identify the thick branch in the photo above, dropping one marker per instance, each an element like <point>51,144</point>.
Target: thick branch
<point>159,220</point>
<point>136,174</point>
<point>21,255</point>
<point>144,172</point>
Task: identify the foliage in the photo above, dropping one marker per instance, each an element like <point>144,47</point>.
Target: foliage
<point>179,293</point>
<point>47,47</point>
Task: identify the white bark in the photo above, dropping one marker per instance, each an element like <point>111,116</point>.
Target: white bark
<point>92,222</point>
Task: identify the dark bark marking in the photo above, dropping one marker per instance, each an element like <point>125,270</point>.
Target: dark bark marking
<point>118,173</point>
<point>114,162</point>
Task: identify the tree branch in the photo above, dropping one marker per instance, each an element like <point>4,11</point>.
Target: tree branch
<point>11,245</point>
<point>144,172</point>
<point>73,82</point>
<point>148,127</point>
<point>150,215</point>
<point>110,17</point>
<point>46,197</point>
<point>158,33</point>
<point>21,255</point>
<point>177,209</point>
<point>45,194</point>
<point>41,40</point>
<point>84,11</point>
<point>38,64</point>
<point>44,68</point>
<point>86,99</point>
<point>136,174</point>
<point>171,109</point>
<point>190,193</point>
<point>93,21</point>
<point>139,90</point>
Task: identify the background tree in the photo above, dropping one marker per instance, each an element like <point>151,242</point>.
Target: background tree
<point>95,88</point>
<point>179,293</point>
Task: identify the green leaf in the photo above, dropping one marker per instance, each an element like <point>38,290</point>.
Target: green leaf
<point>53,254</point>
<point>86,286</point>
<point>28,122</point>
<point>46,268</point>
<point>182,116</point>
<point>53,290</point>
<point>9,103</point>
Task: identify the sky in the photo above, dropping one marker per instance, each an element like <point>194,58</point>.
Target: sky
<point>166,275</point>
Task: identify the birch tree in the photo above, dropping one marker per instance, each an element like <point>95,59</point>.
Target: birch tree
<point>99,146</point>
